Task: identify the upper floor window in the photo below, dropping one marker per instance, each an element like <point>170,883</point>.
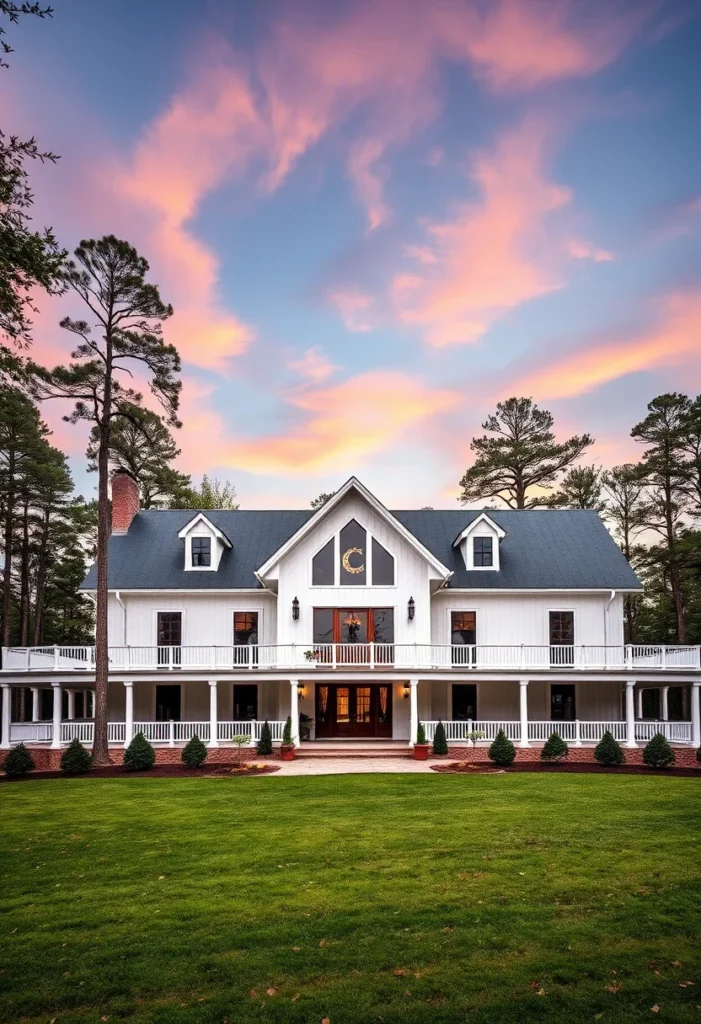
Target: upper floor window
<point>483,552</point>
<point>201,552</point>
<point>358,560</point>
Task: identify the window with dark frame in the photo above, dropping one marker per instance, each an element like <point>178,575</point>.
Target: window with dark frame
<point>382,566</point>
<point>483,554</point>
<point>323,566</point>
<point>170,629</point>
<point>562,638</point>
<point>201,552</point>
<point>245,628</point>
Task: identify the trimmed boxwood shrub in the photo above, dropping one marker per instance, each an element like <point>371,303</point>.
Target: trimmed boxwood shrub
<point>75,758</point>
<point>554,749</point>
<point>658,753</point>
<point>502,750</point>
<point>698,755</point>
<point>265,743</point>
<point>287,733</point>
<point>139,755</point>
<point>440,743</point>
<point>608,751</point>
<point>19,761</point>
<point>194,753</point>
<point>420,734</point>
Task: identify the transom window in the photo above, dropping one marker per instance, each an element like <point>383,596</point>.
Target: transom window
<point>483,551</point>
<point>201,551</point>
<point>354,559</point>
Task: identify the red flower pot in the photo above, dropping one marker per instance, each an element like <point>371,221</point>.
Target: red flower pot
<point>287,753</point>
<point>421,751</point>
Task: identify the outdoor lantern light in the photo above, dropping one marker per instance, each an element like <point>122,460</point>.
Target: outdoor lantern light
<point>406,692</point>
<point>300,689</point>
<point>410,608</point>
<point>295,609</point>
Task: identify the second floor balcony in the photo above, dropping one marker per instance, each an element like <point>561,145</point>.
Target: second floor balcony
<point>360,656</point>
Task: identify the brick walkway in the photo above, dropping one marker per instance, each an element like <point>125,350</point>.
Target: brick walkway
<point>350,766</point>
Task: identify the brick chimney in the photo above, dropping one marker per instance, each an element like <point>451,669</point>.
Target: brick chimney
<point>125,500</point>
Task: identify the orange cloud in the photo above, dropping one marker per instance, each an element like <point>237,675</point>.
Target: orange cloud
<point>496,253</point>
<point>673,342</point>
<point>340,426</point>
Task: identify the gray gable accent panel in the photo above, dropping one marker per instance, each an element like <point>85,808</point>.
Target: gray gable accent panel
<point>542,549</point>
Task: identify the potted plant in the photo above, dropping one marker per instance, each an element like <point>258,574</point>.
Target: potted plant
<point>305,727</point>
<point>287,750</point>
<point>312,655</point>
<point>421,746</point>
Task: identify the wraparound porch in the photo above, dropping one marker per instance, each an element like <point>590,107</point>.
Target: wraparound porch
<point>525,709</point>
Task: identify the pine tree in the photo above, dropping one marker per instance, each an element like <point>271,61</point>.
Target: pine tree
<point>581,488</point>
<point>440,743</point>
<point>110,278</point>
<point>194,753</point>
<point>554,748</point>
<point>608,751</point>
<point>212,494</point>
<point>265,743</point>
<point>522,454</point>
<point>658,753</point>
<point>502,750</point>
<point>139,755</point>
<point>626,512</point>
<point>320,501</point>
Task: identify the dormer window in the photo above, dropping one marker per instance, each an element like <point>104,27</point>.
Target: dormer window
<point>483,553</point>
<point>201,552</point>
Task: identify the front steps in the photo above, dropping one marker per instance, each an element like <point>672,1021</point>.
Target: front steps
<point>355,748</point>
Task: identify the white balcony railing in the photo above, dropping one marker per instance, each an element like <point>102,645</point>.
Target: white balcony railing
<point>464,657</point>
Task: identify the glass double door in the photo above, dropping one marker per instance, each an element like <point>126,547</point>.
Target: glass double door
<point>354,710</point>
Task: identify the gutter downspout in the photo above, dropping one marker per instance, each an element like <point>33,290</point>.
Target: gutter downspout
<point>606,608</point>
<point>124,610</point>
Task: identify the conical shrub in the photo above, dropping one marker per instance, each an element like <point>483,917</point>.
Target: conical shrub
<point>440,743</point>
<point>287,733</point>
<point>554,748</point>
<point>658,753</point>
<point>608,751</point>
<point>265,743</point>
<point>420,734</point>
<point>19,761</point>
<point>75,758</point>
<point>502,750</point>
<point>194,753</point>
<point>139,755</point>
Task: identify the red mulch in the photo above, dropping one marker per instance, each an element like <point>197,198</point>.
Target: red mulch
<point>563,768</point>
<point>159,771</point>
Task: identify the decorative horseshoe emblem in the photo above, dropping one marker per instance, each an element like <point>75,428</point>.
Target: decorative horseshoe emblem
<point>352,569</point>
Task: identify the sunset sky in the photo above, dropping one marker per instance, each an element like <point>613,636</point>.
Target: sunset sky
<point>376,220</point>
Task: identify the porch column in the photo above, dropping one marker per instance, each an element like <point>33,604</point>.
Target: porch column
<point>56,730</point>
<point>630,713</point>
<point>696,715</point>
<point>294,710</point>
<point>6,712</point>
<point>35,703</point>
<point>71,704</point>
<point>523,710</point>
<point>213,720</point>
<point>665,703</point>
<point>640,702</point>
<point>128,711</point>
<point>413,710</point>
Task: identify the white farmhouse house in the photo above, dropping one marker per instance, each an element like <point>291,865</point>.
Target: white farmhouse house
<point>359,622</point>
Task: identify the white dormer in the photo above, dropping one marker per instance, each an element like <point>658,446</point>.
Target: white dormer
<point>479,544</point>
<point>204,544</point>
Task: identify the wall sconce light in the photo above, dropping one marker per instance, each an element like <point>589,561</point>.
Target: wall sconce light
<point>295,609</point>
<point>410,609</point>
<point>300,689</point>
<point>406,691</point>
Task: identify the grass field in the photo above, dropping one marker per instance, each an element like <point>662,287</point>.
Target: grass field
<point>499,899</point>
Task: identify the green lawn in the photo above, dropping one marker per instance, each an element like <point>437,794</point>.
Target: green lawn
<point>504,898</point>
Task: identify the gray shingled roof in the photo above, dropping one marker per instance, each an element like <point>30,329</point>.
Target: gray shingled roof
<point>542,549</point>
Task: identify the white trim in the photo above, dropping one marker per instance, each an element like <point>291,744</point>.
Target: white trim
<point>311,524</point>
<point>155,612</point>
<point>202,518</point>
<point>482,517</point>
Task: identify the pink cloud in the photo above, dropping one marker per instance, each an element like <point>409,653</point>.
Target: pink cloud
<point>313,367</point>
<point>369,179</point>
<point>580,250</point>
<point>496,253</point>
<point>355,309</point>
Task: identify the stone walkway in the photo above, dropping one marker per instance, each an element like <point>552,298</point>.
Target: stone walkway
<point>349,766</point>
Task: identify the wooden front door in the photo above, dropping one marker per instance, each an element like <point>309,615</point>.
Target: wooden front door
<point>353,710</point>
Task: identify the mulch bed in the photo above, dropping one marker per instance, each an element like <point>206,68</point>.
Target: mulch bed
<point>159,771</point>
<point>562,768</point>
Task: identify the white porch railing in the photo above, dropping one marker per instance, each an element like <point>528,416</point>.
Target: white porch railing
<point>464,657</point>
<point>575,732</point>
